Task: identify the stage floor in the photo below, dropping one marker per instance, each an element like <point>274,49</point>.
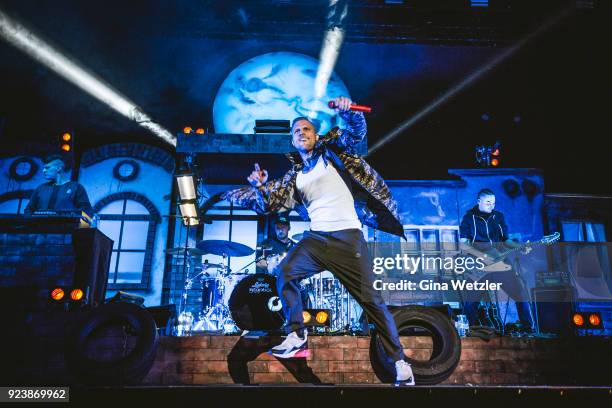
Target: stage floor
<point>324,395</point>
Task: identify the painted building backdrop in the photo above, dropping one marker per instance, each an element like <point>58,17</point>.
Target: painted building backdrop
<point>130,187</point>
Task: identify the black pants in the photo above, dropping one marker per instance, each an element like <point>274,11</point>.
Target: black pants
<point>345,254</point>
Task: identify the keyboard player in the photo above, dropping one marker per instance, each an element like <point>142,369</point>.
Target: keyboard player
<point>59,193</point>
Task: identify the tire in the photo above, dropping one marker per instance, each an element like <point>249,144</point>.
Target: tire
<point>446,351</point>
<point>113,318</point>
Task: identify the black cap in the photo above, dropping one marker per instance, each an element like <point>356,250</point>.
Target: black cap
<point>282,220</point>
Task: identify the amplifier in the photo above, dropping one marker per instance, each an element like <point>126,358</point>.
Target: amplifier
<point>554,308</point>
<point>551,278</point>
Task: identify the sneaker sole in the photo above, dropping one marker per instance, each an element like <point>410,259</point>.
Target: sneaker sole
<point>294,354</point>
<point>404,383</point>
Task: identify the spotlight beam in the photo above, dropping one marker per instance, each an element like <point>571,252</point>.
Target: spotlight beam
<point>469,80</point>
<point>330,49</point>
<point>23,39</point>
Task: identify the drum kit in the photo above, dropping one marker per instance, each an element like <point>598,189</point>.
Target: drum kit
<point>235,301</point>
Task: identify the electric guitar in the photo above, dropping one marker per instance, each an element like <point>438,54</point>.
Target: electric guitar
<point>494,259</point>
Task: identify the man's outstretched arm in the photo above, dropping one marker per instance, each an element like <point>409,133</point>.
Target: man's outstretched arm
<point>262,196</point>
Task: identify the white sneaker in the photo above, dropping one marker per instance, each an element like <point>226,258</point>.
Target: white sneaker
<point>291,346</point>
<point>403,373</point>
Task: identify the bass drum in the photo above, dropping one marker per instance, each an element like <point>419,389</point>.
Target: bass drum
<point>255,305</point>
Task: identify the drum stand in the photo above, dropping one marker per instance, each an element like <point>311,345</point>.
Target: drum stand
<point>185,319</point>
<point>341,304</point>
<point>217,317</point>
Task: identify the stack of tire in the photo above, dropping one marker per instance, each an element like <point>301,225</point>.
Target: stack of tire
<point>86,363</point>
<point>446,343</point>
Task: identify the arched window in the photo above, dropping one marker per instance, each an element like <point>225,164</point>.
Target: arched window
<point>14,202</point>
<point>130,220</point>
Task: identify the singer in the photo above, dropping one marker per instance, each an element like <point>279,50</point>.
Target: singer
<point>339,192</point>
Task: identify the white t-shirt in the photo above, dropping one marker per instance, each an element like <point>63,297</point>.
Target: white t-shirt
<point>329,202</point>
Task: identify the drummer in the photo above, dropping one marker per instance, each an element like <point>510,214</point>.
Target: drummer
<point>280,244</point>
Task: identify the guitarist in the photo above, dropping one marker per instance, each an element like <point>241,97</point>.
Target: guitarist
<point>483,229</point>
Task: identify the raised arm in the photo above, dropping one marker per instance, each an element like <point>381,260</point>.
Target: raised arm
<point>263,196</point>
<point>355,129</point>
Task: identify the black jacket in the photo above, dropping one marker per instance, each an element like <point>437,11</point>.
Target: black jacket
<point>68,196</point>
<point>476,229</point>
<point>374,203</point>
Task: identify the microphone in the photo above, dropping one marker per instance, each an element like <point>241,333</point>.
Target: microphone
<point>356,108</point>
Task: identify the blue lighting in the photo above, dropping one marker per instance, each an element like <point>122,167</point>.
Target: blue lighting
<point>277,85</point>
<point>479,3</point>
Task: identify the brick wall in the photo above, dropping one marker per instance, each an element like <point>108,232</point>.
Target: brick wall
<point>38,358</point>
<point>148,153</point>
<point>346,360</point>
<point>36,259</point>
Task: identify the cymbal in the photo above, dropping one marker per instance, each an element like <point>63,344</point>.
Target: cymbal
<point>297,237</point>
<point>221,247</point>
<point>181,251</point>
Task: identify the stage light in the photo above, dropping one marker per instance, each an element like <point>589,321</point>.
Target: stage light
<point>76,294</point>
<point>322,317</point>
<point>584,320</point>
<point>186,186</point>
<point>186,182</point>
<point>578,320</point>
<point>594,320</point>
<point>488,156</point>
<point>200,131</point>
<point>187,130</point>
<point>189,212</point>
<point>479,3</point>
<point>23,39</point>
<point>57,294</point>
<point>317,317</point>
<point>66,142</point>
<point>307,316</point>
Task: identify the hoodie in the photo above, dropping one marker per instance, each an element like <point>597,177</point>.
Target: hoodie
<point>476,228</point>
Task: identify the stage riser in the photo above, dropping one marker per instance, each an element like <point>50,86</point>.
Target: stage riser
<point>202,360</point>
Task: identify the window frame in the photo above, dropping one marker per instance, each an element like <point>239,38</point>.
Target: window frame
<point>153,217</point>
<point>583,227</point>
<point>17,195</point>
<point>440,251</point>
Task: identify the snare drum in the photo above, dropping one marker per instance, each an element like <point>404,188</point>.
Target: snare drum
<point>209,271</point>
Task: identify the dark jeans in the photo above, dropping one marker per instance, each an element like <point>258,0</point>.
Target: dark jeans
<point>345,254</point>
<point>512,286</point>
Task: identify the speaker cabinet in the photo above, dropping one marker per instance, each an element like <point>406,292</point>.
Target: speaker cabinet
<point>554,308</point>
